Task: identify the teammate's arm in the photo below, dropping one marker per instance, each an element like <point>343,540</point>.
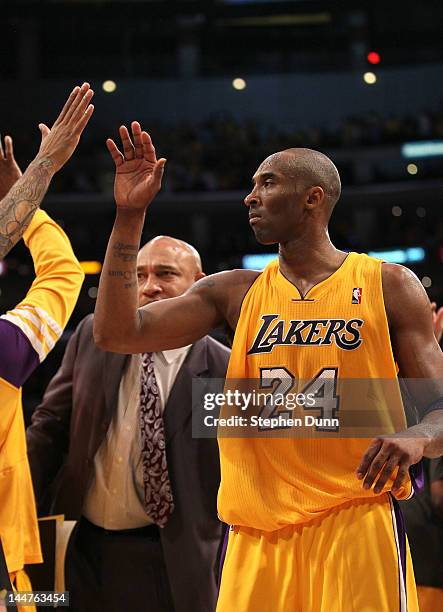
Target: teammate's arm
<point>119,325</point>
<point>418,356</point>
<point>23,198</point>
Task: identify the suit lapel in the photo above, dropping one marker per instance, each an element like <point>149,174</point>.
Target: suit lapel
<point>178,408</point>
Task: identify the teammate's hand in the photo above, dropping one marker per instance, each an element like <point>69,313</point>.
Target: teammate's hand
<point>138,173</point>
<point>60,142</point>
<point>386,454</point>
<point>9,169</point>
<point>437,320</point>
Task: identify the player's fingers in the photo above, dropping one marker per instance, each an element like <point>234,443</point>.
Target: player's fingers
<point>67,105</point>
<point>374,468</point>
<point>386,472</point>
<point>76,102</point>
<point>83,121</point>
<point>1,148</point>
<point>368,457</point>
<point>79,112</point>
<point>148,148</point>
<point>128,147</point>
<point>401,475</point>
<point>137,139</point>
<point>158,172</point>
<point>44,130</point>
<point>9,149</point>
<point>116,155</point>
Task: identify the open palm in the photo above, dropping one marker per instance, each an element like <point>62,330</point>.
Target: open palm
<point>138,173</point>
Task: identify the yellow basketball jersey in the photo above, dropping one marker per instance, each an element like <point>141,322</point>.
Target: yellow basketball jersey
<point>339,330</point>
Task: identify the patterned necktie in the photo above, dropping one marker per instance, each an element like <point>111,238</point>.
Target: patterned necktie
<point>158,495</point>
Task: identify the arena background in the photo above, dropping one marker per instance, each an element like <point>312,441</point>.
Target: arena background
<point>220,85</point>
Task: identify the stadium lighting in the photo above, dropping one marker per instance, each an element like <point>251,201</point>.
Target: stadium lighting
<point>109,86</point>
<point>403,256</point>
<point>239,84</point>
<point>369,78</point>
<point>373,57</point>
<point>423,148</point>
<point>258,261</point>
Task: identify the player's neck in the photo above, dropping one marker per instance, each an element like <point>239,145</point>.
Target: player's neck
<point>307,261</point>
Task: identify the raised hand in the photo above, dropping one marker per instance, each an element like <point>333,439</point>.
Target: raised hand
<point>19,204</point>
<point>60,142</point>
<point>138,173</point>
<point>9,169</point>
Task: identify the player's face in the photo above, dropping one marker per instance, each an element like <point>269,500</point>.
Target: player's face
<point>163,271</point>
<point>275,206</point>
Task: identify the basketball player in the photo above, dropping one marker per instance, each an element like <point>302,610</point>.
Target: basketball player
<point>314,524</point>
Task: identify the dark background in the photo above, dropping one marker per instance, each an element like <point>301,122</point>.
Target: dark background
<point>173,64</point>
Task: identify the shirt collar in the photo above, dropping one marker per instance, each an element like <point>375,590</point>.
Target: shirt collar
<point>174,354</point>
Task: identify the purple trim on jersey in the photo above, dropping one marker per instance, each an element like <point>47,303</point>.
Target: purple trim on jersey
<point>401,534</point>
<point>417,476</point>
<point>401,538</point>
<point>18,358</point>
<point>223,555</point>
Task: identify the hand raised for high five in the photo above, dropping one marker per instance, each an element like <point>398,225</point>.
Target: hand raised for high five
<point>138,173</point>
<point>60,142</point>
<point>9,169</point>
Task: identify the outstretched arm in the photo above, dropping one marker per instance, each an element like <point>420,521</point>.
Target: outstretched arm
<point>420,362</point>
<point>58,144</point>
<point>119,325</point>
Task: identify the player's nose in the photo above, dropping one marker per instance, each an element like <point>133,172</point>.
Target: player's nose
<point>251,198</point>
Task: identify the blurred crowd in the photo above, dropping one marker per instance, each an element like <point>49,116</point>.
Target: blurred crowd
<point>222,152</point>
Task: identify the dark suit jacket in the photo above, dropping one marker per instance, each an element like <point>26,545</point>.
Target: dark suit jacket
<point>70,424</point>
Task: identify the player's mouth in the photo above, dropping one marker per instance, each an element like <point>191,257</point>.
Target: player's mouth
<point>253,218</point>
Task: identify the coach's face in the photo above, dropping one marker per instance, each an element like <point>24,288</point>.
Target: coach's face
<point>164,269</point>
<point>275,204</point>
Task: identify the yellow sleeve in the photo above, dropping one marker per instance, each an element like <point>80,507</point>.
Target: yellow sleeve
<point>49,303</point>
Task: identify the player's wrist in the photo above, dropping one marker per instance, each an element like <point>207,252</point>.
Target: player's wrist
<point>45,164</point>
<point>127,213</point>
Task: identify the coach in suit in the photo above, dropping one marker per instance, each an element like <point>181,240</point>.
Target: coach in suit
<point>84,447</point>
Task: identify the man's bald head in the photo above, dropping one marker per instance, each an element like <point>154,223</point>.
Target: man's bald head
<point>166,267</point>
<point>310,168</point>
<point>181,248</point>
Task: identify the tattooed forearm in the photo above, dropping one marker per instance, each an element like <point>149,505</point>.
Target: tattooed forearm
<point>126,275</point>
<point>126,252</point>
<point>18,207</point>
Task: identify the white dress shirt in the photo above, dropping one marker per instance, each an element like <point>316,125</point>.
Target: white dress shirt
<point>114,499</point>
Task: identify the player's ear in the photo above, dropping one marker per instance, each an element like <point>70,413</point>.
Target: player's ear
<point>314,197</point>
<point>199,275</point>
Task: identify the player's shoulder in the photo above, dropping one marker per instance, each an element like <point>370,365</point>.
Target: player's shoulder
<point>226,281</point>
<point>399,280</point>
<point>405,299</point>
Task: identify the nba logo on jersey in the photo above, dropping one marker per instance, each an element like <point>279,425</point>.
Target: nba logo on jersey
<point>356,295</point>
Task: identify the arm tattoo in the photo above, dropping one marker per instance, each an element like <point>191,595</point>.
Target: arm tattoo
<point>206,282</point>
<point>126,252</point>
<point>18,207</point>
<point>126,275</point>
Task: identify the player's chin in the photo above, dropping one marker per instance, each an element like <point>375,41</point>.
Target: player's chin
<point>264,237</point>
